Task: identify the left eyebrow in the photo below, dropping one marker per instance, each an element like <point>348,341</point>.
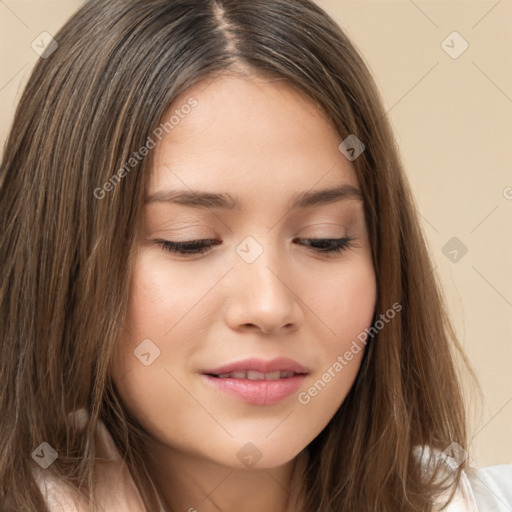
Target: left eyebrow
<point>302,200</point>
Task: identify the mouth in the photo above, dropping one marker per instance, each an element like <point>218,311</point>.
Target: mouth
<point>256,381</point>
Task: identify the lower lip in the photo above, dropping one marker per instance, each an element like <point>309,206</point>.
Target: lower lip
<point>259,392</point>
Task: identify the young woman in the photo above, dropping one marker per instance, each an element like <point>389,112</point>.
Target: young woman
<point>215,291</point>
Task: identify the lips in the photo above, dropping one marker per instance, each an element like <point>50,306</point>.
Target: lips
<point>256,381</point>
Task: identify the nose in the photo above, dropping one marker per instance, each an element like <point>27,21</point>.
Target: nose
<point>264,295</point>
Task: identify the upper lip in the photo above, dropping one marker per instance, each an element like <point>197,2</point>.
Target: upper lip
<point>259,365</point>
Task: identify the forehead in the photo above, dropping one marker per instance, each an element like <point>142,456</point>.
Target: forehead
<point>248,135</point>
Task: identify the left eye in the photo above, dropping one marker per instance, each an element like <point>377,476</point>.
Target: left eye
<point>320,245</point>
<point>329,245</point>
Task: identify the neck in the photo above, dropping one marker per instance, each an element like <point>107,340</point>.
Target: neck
<point>192,484</point>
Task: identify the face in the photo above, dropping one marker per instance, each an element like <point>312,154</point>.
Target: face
<point>279,272</point>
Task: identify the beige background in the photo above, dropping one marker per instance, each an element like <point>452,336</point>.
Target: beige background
<point>453,119</point>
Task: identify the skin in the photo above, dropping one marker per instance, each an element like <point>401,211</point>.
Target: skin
<point>262,141</point>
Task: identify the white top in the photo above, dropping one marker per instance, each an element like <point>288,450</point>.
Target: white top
<point>483,490</point>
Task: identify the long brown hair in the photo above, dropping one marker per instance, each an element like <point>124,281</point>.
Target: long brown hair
<point>67,250</point>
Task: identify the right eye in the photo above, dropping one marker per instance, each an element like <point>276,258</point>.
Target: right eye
<point>189,247</point>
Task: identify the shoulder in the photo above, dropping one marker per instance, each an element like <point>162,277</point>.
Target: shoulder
<point>492,487</point>
<point>486,489</point>
<point>116,491</point>
<point>59,496</point>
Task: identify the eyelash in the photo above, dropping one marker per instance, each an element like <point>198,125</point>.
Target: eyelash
<point>193,247</point>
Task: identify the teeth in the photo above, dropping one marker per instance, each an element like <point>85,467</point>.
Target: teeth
<point>239,375</point>
<point>254,375</point>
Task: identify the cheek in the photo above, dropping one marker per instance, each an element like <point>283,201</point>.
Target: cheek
<point>162,308</point>
<point>344,300</point>
<point>149,316</point>
<point>163,298</point>
<point>155,296</point>
<point>347,305</point>
<point>357,299</point>
<point>354,314</point>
